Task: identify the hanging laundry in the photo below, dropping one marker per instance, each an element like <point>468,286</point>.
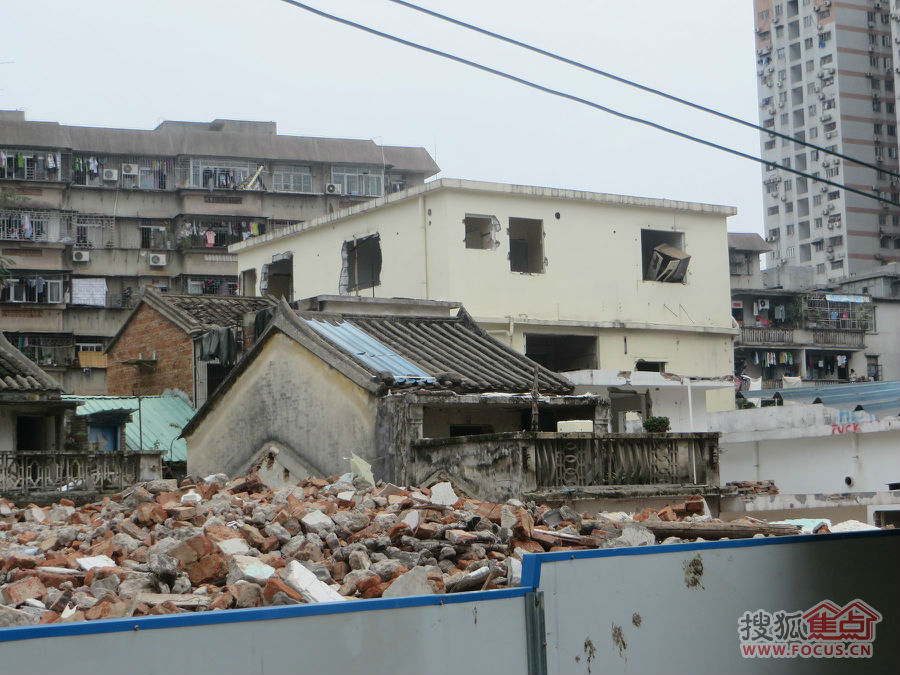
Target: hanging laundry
<point>210,238</point>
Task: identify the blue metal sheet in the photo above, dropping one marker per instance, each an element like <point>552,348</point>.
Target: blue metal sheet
<point>163,419</point>
<point>878,398</point>
<point>367,349</point>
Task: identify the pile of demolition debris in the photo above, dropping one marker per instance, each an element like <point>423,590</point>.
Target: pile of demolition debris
<point>216,543</point>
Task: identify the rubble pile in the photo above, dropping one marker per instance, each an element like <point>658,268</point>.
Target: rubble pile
<point>215,543</point>
<point>754,487</point>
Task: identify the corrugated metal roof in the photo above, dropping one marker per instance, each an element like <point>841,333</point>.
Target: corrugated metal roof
<point>163,419</point>
<point>368,350</point>
<point>882,399</point>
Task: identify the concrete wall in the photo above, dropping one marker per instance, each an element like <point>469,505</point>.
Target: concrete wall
<point>882,343</point>
<point>592,281</point>
<point>149,333</point>
<point>288,395</point>
<point>814,455</point>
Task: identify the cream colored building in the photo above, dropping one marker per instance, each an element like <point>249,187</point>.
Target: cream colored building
<point>567,277</point>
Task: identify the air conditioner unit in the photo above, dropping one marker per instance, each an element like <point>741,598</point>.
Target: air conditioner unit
<point>871,48</point>
<point>825,118</point>
<point>827,3</point>
<point>869,73</point>
<point>822,96</point>
<point>829,134</point>
<point>760,72</point>
<point>771,111</point>
<point>762,303</point>
<point>334,189</point>
<point>829,71</point>
<point>829,207</point>
<point>110,175</point>
<point>781,104</point>
<point>824,188</point>
<point>771,69</point>
<point>780,83</point>
<point>820,74</point>
<point>830,256</point>
<point>129,169</point>
<point>826,162</point>
<point>81,256</point>
<point>784,198</point>
<point>158,259</point>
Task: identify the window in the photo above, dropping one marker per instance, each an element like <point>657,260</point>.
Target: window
<point>831,172</point>
<point>828,105</point>
<point>876,84</point>
<point>153,236</point>
<point>788,184</point>
<point>211,286</point>
<point>819,245</point>
<point>876,105</point>
<point>885,242</point>
<point>362,264</point>
<point>834,194</point>
<point>807,22</point>
<point>24,225</point>
<point>825,60</point>
<point>650,366</point>
<point>480,232</point>
<point>790,252</point>
<point>526,245</point>
<point>291,179</point>
<point>763,15</point>
<point>877,127</point>
<point>32,288</point>
<point>779,53</point>
<point>789,229</point>
<point>814,132</point>
<point>219,173</point>
<point>771,188</point>
<point>769,145</point>
<point>817,201</point>
<point>837,264</point>
<point>772,210</point>
<point>562,353</point>
<point>882,219</point>
<point>820,268</point>
<point>359,180</point>
<point>892,129</point>
<point>784,119</point>
<point>663,256</point>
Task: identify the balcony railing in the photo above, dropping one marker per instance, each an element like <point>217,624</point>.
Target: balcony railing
<point>24,472</point>
<point>752,335</point>
<point>499,466</point>
<point>841,338</point>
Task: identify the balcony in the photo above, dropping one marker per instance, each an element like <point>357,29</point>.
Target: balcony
<point>500,466</point>
<point>752,335</point>
<point>840,338</point>
<point>85,471</point>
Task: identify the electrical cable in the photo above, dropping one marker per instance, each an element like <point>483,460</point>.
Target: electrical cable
<point>637,85</point>
<point>583,101</point>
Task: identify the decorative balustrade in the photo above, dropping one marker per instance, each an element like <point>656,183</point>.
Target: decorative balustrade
<point>841,338</point>
<point>762,335</point>
<point>497,466</point>
<point>24,472</point>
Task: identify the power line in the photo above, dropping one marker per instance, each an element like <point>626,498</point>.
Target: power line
<point>636,85</point>
<point>577,99</point>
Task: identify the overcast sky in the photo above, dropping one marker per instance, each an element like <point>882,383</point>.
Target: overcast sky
<point>135,63</point>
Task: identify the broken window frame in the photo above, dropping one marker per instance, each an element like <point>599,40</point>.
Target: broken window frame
<point>533,262</point>
<point>663,265</point>
<point>350,278</point>
<point>483,234</point>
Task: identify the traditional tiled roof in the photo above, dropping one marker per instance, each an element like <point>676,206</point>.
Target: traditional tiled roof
<point>214,311</point>
<point>454,350</point>
<point>19,374</point>
<point>196,314</point>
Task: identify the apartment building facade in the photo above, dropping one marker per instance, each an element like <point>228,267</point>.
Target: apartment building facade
<point>826,75</point>
<point>98,215</point>
<point>627,296</point>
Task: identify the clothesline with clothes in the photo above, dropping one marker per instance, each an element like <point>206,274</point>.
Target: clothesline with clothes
<point>208,234</point>
<point>14,164</point>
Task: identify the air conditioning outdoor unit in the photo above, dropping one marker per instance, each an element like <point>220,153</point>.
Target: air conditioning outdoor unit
<point>158,259</point>
<point>821,96</point>
<point>771,111</point>
<point>763,303</point>
<point>871,48</point>
<point>829,134</point>
<point>129,169</point>
<point>81,256</point>
<point>869,73</point>
<point>334,189</point>
<point>824,188</point>
<point>826,162</point>
<point>110,175</point>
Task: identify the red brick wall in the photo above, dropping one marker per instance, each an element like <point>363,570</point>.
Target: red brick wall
<point>147,332</point>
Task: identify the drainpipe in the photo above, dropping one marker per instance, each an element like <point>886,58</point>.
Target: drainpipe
<point>423,216</point>
<point>690,405</point>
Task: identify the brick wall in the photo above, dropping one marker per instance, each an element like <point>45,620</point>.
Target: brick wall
<point>147,332</point>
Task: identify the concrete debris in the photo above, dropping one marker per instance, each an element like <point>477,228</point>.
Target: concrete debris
<point>754,487</point>
<point>214,543</point>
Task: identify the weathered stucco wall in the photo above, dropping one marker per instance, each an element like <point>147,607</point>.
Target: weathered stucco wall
<point>290,396</point>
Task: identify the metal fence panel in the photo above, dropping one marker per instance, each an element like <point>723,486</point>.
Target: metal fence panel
<point>676,609</point>
<point>482,632</point>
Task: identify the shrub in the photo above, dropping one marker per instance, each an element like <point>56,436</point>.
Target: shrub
<point>657,425</point>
